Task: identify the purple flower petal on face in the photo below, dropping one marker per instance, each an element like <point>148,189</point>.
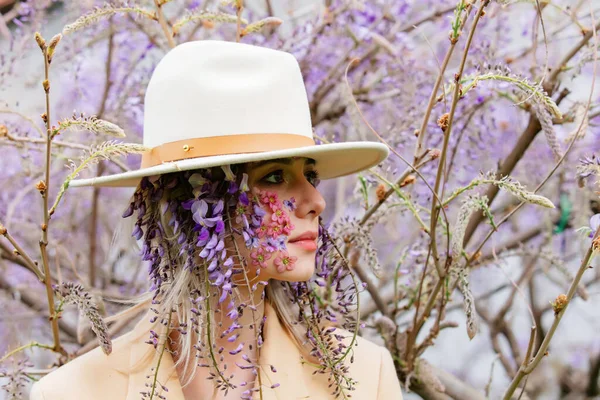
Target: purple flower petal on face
<point>228,262</point>
<point>290,204</point>
<point>281,242</point>
<point>220,245</point>
<point>271,245</point>
<point>181,238</point>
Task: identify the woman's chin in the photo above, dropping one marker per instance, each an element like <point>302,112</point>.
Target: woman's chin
<point>301,272</point>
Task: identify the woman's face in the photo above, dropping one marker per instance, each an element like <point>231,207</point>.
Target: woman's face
<point>298,204</point>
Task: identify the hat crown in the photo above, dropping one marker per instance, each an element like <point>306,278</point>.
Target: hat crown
<point>213,88</point>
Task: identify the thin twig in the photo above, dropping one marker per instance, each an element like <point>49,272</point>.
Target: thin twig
<point>45,226</point>
<point>163,24</point>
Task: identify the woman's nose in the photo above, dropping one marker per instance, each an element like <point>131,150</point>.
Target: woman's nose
<point>309,200</point>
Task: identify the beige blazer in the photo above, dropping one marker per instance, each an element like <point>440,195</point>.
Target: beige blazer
<point>95,376</point>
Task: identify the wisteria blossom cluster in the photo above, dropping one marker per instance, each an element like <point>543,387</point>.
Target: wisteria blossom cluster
<point>205,210</point>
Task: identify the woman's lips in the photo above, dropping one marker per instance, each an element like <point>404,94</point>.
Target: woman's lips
<point>306,244</point>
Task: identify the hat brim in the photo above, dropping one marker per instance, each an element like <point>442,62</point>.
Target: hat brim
<point>332,161</point>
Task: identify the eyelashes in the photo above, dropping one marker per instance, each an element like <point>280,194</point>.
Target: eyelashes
<point>313,178</point>
<point>276,177</point>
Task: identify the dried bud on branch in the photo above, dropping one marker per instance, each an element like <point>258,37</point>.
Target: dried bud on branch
<point>559,304</point>
<point>596,244</point>
<point>380,192</point>
<point>52,46</point>
<point>40,41</point>
<point>41,187</point>
<point>443,121</point>
<point>435,153</point>
<point>410,179</point>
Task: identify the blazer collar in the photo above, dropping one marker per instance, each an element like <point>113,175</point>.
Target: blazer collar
<point>279,350</point>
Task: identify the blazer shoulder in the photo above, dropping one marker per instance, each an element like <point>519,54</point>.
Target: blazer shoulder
<point>373,367</point>
<point>364,359</point>
<point>93,375</point>
<point>363,347</point>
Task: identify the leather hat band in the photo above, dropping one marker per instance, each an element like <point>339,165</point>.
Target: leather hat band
<point>222,145</point>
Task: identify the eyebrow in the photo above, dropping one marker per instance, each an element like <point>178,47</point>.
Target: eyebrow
<point>287,161</point>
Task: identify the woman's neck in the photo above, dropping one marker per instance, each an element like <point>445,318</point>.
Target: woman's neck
<point>250,320</point>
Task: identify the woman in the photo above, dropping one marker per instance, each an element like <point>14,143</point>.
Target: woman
<point>249,295</point>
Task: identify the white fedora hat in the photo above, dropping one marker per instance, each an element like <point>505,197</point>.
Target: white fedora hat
<point>212,103</point>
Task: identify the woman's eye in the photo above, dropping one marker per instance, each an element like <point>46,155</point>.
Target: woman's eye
<point>274,177</point>
<point>313,177</point>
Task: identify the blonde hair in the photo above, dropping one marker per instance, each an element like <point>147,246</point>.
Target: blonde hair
<point>181,288</point>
